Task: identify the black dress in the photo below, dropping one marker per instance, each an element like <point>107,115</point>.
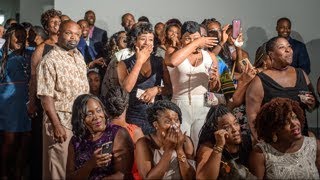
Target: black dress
<point>273,90</point>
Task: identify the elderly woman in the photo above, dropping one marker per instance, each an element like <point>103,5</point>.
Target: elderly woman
<point>165,154</point>
<point>141,76</point>
<point>221,153</point>
<point>284,152</point>
<point>86,157</point>
<point>280,80</point>
<point>15,124</point>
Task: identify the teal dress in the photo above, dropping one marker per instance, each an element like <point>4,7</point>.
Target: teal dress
<point>14,94</point>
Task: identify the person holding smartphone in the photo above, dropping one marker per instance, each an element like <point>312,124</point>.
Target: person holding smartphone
<point>214,29</point>
<point>232,52</point>
<point>97,150</point>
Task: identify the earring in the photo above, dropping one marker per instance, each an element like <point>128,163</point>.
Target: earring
<point>264,65</point>
<point>274,138</point>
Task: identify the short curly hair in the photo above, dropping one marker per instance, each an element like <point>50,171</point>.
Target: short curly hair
<point>272,117</point>
<point>47,15</point>
<point>137,30</point>
<point>161,106</point>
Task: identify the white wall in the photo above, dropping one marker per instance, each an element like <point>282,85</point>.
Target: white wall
<point>258,18</point>
<point>31,10</point>
<point>9,8</point>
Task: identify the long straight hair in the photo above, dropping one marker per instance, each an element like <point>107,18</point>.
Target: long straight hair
<point>20,33</point>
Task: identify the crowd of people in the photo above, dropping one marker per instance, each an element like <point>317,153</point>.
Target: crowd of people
<point>170,101</point>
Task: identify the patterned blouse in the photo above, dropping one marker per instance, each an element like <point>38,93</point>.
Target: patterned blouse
<point>297,165</point>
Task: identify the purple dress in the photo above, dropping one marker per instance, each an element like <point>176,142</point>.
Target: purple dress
<point>85,148</point>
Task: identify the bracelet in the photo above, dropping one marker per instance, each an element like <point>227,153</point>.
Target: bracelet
<point>182,158</point>
<point>219,45</point>
<point>217,149</point>
<point>238,44</point>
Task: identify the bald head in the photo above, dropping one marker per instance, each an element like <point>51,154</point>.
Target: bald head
<point>90,16</point>
<point>66,24</point>
<point>69,35</point>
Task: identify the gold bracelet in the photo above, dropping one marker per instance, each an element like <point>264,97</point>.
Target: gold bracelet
<point>182,158</point>
<point>218,149</point>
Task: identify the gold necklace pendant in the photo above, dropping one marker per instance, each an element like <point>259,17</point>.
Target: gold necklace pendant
<point>226,166</point>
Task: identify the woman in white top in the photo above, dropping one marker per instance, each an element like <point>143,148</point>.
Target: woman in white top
<point>189,73</point>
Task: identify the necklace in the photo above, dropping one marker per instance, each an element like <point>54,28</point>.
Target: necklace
<point>280,69</point>
<point>192,68</point>
<point>226,165</point>
<point>230,154</point>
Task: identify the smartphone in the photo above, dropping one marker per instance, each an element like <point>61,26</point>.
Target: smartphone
<point>106,148</point>
<point>139,93</point>
<point>236,25</point>
<point>214,33</point>
<point>244,62</point>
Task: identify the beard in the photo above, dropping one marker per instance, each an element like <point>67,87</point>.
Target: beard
<point>91,22</point>
<point>69,45</point>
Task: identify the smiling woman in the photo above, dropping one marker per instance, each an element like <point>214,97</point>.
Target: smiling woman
<point>14,121</point>
<point>86,160</point>
<point>141,76</point>
<point>284,152</point>
<point>280,80</point>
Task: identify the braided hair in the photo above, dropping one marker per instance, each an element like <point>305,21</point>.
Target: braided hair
<point>116,101</point>
<point>211,124</point>
<point>161,106</point>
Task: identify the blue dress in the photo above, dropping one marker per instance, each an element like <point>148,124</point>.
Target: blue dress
<point>14,94</point>
<point>136,113</point>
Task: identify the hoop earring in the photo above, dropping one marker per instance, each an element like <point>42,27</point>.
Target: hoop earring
<point>274,138</point>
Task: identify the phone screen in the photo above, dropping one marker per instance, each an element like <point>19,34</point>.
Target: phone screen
<point>106,148</point>
<point>214,33</point>
<point>236,25</point>
<point>244,62</point>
